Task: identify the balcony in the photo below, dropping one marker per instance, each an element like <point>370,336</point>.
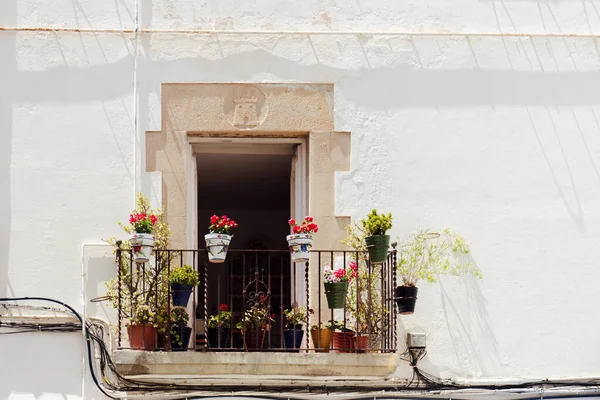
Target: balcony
<point>357,339</point>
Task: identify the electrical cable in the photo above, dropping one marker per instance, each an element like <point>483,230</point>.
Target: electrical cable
<point>114,381</point>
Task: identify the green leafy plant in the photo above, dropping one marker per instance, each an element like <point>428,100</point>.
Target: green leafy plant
<point>377,224</point>
<point>296,315</point>
<point>184,276</point>
<point>179,317</point>
<point>426,255</point>
<point>221,319</point>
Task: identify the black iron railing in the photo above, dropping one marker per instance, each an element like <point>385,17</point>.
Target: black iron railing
<point>253,288</point>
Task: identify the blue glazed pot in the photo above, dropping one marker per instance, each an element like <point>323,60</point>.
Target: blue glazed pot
<point>181,294</point>
<point>290,335</point>
<point>184,333</point>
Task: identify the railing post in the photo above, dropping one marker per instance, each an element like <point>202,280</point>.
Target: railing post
<point>393,307</point>
<point>307,305</point>
<point>119,311</point>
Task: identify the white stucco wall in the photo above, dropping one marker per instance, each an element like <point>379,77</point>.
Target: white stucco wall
<point>497,137</point>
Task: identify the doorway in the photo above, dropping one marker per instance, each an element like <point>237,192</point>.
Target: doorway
<point>257,184</point>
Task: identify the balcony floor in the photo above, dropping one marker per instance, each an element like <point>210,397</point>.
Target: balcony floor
<point>290,366</point>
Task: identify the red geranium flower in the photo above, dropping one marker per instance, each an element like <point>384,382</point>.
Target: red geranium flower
<point>223,307</point>
<point>307,226</point>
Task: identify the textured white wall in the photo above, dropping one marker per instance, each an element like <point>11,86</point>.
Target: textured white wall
<point>496,137</point>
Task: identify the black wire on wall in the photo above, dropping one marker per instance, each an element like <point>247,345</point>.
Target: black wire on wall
<point>116,382</point>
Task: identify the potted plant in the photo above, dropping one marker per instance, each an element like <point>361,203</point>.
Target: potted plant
<point>255,323</point>
<point>141,329</point>
<point>217,241</point>
<point>301,239</point>
<point>321,337</point>
<point>336,284</point>
<point>425,255</point>
<point>218,327</point>
<point>141,237</point>
<point>293,335</point>
<point>141,295</point>
<point>343,338</point>
<point>183,280</point>
<point>180,332</point>
<point>377,241</point>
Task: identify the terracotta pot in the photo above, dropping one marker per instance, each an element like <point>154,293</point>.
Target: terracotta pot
<point>142,336</point>
<point>343,342</point>
<point>321,340</point>
<point>362,343</point>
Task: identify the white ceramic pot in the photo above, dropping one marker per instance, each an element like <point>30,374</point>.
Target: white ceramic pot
<point>141,246</point>
<point>217,245</point>
<point>300,245</point>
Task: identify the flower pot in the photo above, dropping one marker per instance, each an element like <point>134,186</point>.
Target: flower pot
<point>300,245</point>
<point>253,339</point>
<point>406,297</point>
<point>217,245</point>
<point>142,336</point>
<point>292,338</point>
<point>184,333</point>
<point>336,294</point>
<point>141,246</point>
<point>378,246</point>
<point>181,294</point>
<point>362,343</point>
<point>321,340</point>
<point>343,342</point>
<point>217,338</point>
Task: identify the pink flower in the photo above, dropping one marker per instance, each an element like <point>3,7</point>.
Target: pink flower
<point>153,219</point>
<point>214,219</point>
<point>292,222</point>
<point>308,218</point>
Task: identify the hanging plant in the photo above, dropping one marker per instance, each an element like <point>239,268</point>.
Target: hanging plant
<point>219,238</point>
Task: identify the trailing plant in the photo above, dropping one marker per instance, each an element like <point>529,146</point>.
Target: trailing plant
<point>426,255</point>
<point>179,318</point>
<point>296,315</point>
<point>222,225</point>
<point>184,276</point>
<point>377,224</point>
<point>306,226</point>
<point>144,292</point>
<point>221,319</point>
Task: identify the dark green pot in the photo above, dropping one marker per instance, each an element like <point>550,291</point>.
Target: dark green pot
<point>336,294</point>
<point>378,246</point>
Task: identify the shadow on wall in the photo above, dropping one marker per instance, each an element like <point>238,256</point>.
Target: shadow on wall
<point>469,326</point>
<point>8,71</point>
<point>40,365</point>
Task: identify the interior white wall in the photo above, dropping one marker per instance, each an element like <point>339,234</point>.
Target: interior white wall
<point>496,137</point>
